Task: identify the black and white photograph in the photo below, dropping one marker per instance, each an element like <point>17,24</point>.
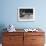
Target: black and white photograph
<point>26,14</point>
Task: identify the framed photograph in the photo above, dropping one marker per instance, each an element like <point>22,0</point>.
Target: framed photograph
<point>26,14</point>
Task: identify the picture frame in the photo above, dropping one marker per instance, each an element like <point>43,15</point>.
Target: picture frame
<point>26,14</point>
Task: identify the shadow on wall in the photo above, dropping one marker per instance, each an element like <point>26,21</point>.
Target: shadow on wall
<point>2,26</point>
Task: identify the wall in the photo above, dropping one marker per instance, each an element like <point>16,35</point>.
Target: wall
<point>9,13</point>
